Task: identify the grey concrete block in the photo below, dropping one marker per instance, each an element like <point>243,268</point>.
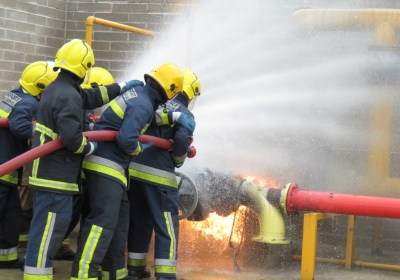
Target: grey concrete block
<point>119,75</point>
<point>42,2</point>
<point>25,48</point>
<point>27,7</point>
<point>116,17</point>
<point>58,4</point>
<point>171,18</point>
<point>20,66</point>
<point>15,35</point>
<point>61,14</point>
<point>7,45</point>
<point>11,75</point>
<point>146,18</point>
<point>9,24</point>
<point>110,36</point>
<point>121,65</point>
<point>99,27</point>
<point>12,55</point>
<point>129,8</point>
<point>44,50</point>
<point>6,86</point>
<point>35,19</point>
<point>54,42</point>
<point>72,25</point>
<point>49,31</point>
<point>78,16</point>
<point>35,57</point>
<point>9,4</point>
<point>16,15</point>
<point>146,1</point>
<point>2,12</point>
<point>89,7</point>
<point>136,37</point>
<point>112,55</point>
<point>56,23</point>
<point>160,8</point>
<point>2,33</point>
<point>71,7</point>
<point>100,45</point>
<point>6,65</point>
<point>25,27</point>
<point>75,35</point>
<point>47,12</point>
<point>103,64</point>
<point>127,46</point>
<point>35,39</point>
<point>159,28</point>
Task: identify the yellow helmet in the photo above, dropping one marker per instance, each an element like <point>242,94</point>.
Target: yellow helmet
<point>75,56</point>
<point>191,86</point>
<point>97,75</point>
<point>191,83</point>
<point>37,76</point>
<point>167,77</point>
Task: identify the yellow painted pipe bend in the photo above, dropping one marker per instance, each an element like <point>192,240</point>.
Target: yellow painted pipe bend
<point>345,19</point>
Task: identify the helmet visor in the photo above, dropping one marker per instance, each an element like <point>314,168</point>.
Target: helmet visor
<point>191,103</point>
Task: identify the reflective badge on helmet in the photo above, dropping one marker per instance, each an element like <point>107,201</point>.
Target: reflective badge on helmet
<point>131,93</point>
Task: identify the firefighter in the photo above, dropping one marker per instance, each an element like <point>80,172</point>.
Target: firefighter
<point>98,77</point>
<point>55,177</point>
<point>103,239</point>
<point>19,106</point>
<point>153,191</point>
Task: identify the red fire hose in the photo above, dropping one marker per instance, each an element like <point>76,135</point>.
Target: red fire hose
<point>54,145</point>
<point>324,202</point>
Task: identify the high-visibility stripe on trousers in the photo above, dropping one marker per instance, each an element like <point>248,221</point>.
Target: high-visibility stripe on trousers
<point>153,207</point>
<point>51,218</point>
<point>10,222</point>
<point>103,235</point>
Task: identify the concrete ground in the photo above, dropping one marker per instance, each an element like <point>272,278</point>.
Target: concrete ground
<point>195,272</point>
<point>223,270</point>
<point>210,266</point>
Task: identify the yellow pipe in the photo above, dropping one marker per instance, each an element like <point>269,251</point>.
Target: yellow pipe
<point>92,20</point>
<point>350,242</point>
<point>272,225</point>
<point>356,263</point>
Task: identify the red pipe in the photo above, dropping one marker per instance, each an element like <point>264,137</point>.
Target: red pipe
<point>54,145</point>
<point>325,202</point>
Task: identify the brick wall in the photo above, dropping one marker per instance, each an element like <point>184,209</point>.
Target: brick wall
<point>28,33</point>
<point>32,32</point>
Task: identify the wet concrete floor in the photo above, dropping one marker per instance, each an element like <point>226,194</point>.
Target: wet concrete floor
<point>190,270</point>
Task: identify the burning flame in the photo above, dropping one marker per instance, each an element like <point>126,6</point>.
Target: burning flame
<point>219,228</point>
<point>263,182</point>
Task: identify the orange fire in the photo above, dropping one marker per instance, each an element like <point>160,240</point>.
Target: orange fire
<point>218,229</point>
<point>263,182</point>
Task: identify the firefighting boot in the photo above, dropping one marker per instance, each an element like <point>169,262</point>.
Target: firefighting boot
<point>65,253</point>
<point>142,274</point>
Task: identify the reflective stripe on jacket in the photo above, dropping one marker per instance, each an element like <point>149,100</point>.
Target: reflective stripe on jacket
<point>151,174</point>
<point>106,167</point>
